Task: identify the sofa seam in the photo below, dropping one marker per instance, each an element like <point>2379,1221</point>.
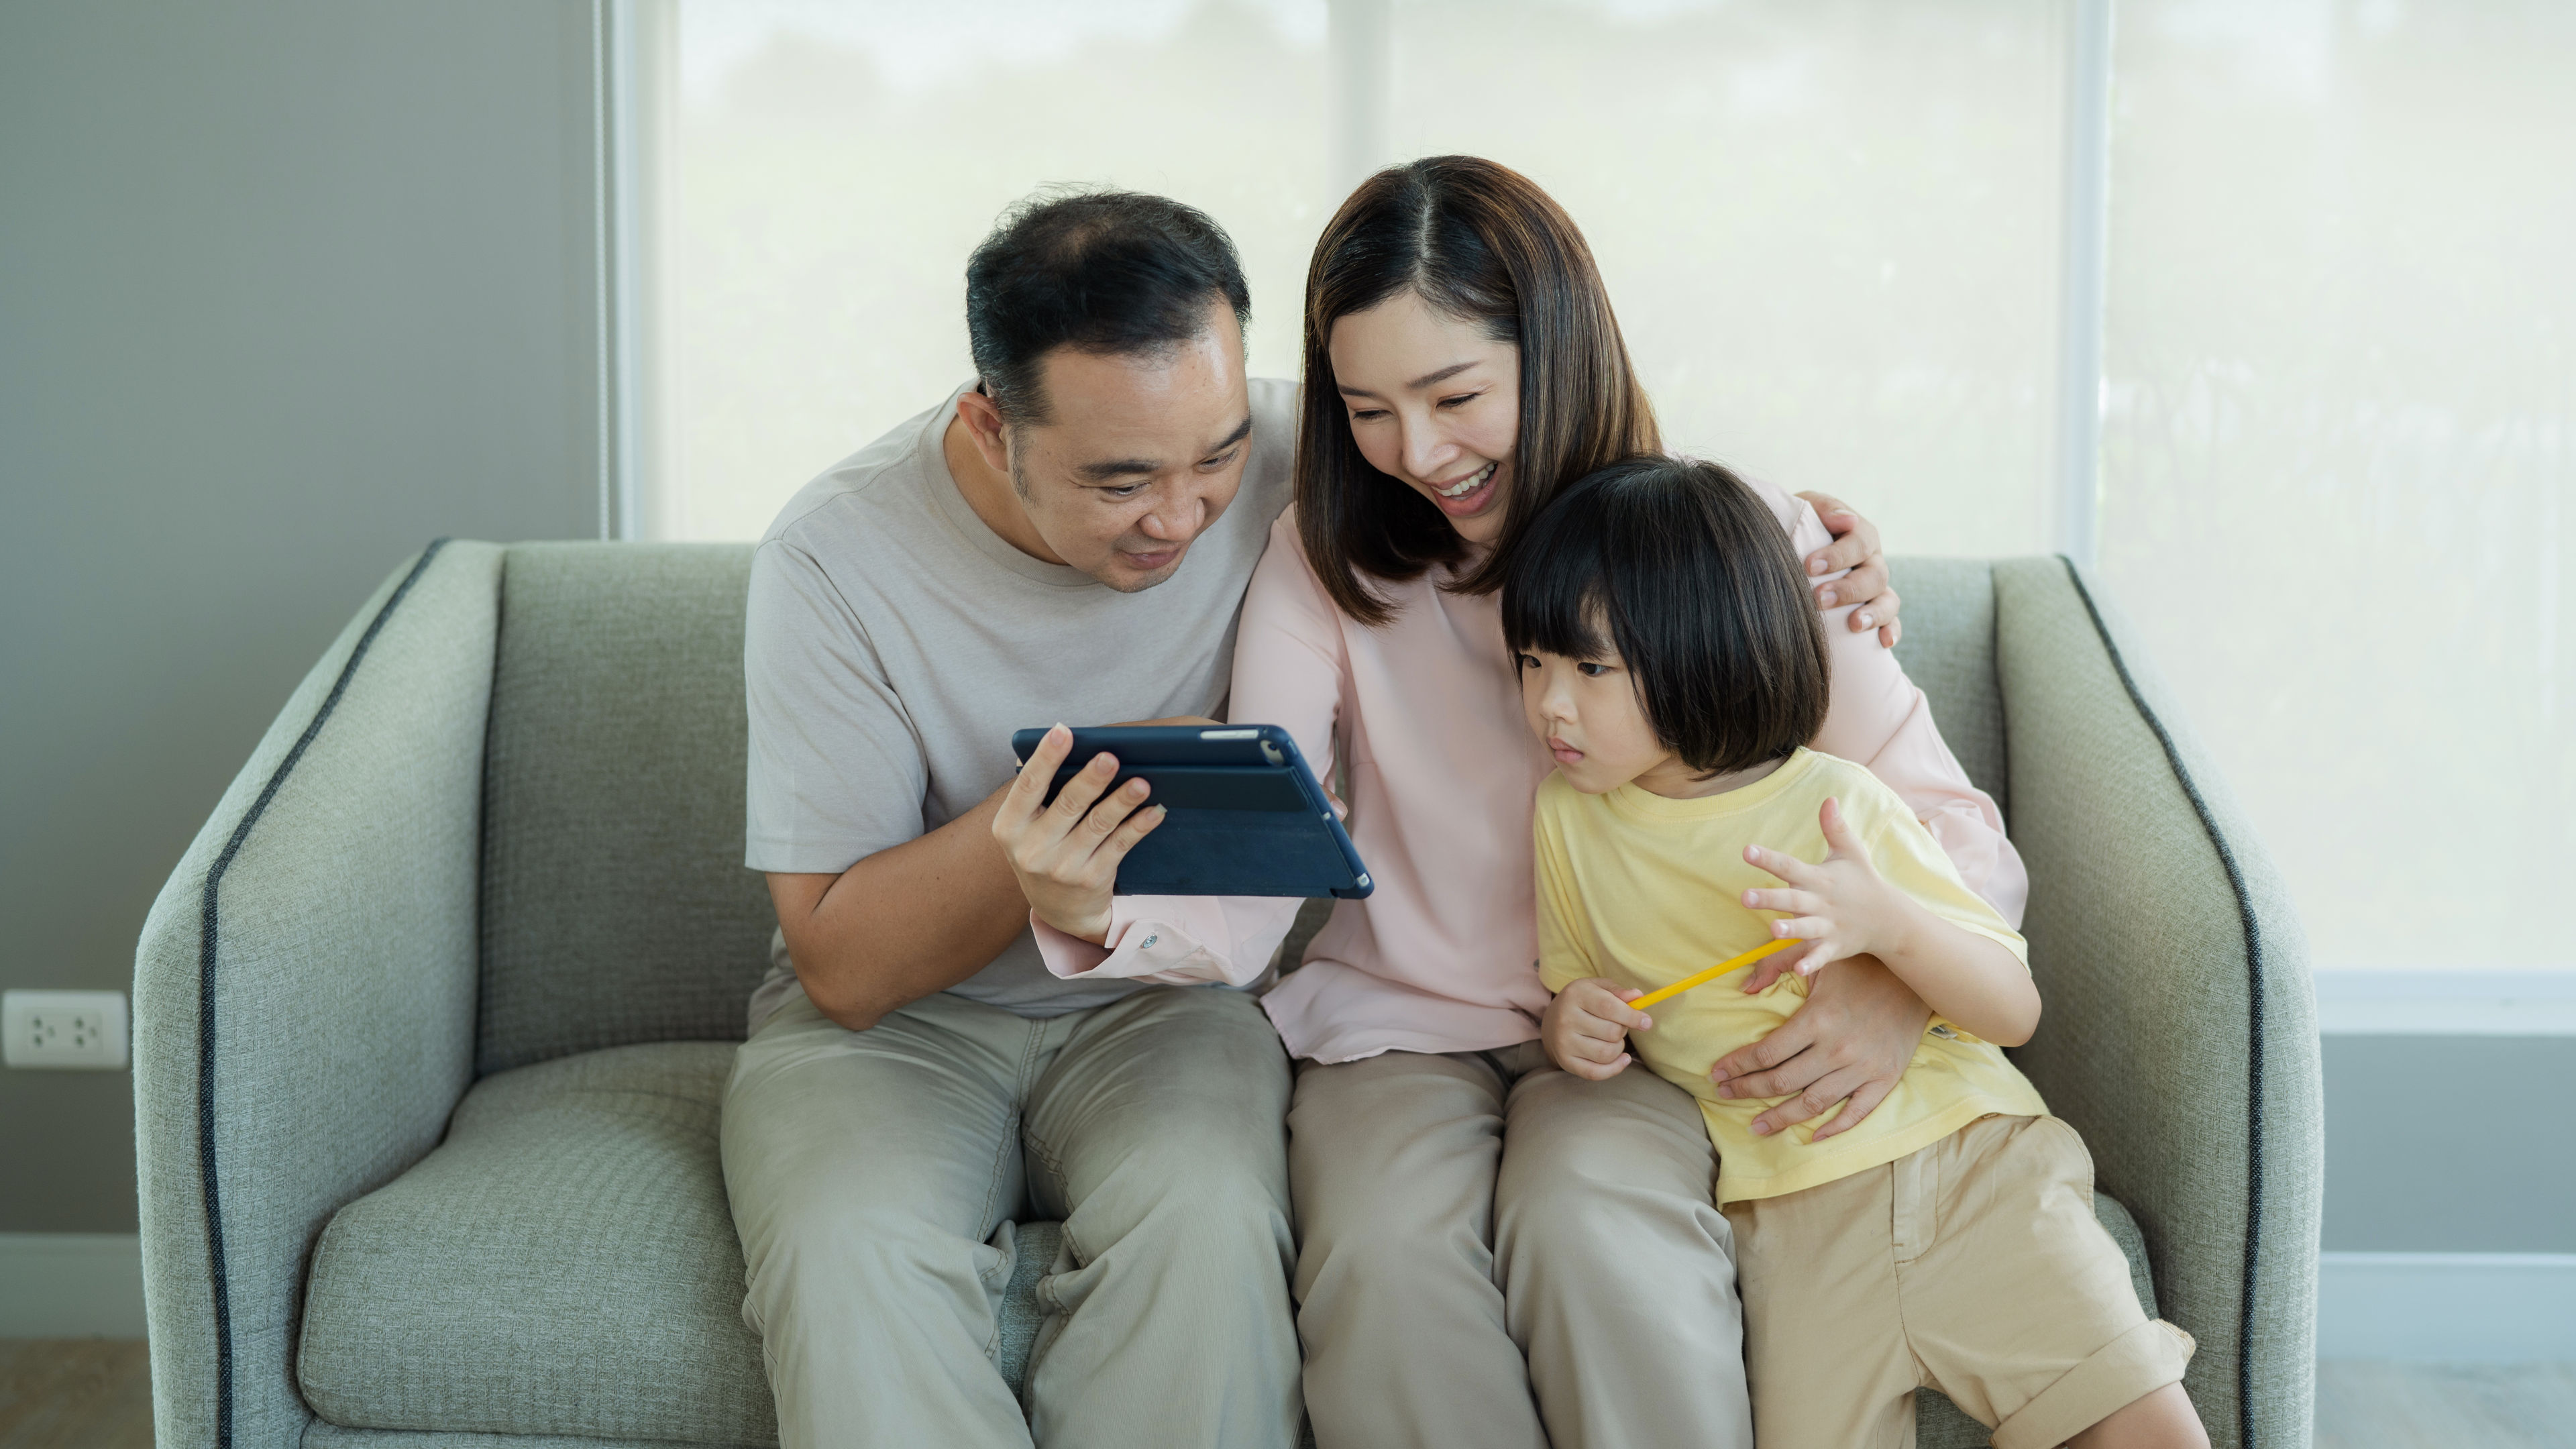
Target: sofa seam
<point>209,960</point>
<point>2254,962</point>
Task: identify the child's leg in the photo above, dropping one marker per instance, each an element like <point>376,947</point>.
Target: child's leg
<point>1825,1347</point>
<point>2164,1419</point>
<point>2018,1302</point>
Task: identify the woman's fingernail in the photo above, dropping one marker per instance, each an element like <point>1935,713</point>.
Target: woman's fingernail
<point>1815,565</point>
<point>1864,621</point>
<point>1761,1130</point>
<point>1826,598</point>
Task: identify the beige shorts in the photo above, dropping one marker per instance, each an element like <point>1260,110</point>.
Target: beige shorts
<point>1975,1267</point>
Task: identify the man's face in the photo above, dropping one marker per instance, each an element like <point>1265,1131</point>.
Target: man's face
<point>1139,456</point>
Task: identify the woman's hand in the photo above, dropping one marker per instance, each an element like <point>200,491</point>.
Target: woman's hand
<point>1066,854</point>
<point>1855,547</point>
<point>1586,1028</point>
<point>1852,1039</point>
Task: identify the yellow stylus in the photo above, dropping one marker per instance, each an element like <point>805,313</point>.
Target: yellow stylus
<point>1714,972</point>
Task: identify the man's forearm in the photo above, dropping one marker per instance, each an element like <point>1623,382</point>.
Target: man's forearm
<point>902,923</point>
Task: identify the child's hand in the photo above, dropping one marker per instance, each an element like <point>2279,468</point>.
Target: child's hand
<point>1586,1028</point>
<point>1840,905</point>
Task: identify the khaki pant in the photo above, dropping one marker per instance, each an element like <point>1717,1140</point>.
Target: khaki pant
<point>1479,1228</point>
<point>869,1172</point>
<point>1974,1266</point>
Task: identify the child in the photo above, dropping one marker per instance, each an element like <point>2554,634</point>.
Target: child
<point>1670,662</point>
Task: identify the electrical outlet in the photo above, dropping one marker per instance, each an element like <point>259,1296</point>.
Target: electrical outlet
<point>75,1030</point>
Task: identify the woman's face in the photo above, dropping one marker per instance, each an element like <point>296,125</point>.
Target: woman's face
<point>1435,404</point>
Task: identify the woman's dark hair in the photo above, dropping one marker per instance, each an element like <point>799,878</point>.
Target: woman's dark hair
<point>1480,243</point>
<point>1113,272</point>
<point>1701,593</point>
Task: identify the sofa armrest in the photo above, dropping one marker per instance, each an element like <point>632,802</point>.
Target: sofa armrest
<point>305,991</point>
<point>2180,1031</point>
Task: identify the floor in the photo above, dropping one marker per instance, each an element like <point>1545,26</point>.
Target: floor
<point>74,1394</point>
<point>88,1394</point>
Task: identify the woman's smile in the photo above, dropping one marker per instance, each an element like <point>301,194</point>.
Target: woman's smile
<point>1468,496</point>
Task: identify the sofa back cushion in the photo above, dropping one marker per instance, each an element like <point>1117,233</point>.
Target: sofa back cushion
<point>615,906</point>
<point>1949,650</point>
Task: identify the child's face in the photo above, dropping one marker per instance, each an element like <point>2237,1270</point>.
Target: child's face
<point>1587,713</point>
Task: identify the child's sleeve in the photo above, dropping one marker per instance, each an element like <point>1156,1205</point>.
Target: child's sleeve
<point>1562,957</point>
<point>1908,856</point>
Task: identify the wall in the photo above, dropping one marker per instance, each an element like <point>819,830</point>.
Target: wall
<point>286,289</point>
<point>2450,1144</point>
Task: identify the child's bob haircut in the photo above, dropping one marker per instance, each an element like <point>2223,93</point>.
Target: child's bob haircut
<point>1704,602</point>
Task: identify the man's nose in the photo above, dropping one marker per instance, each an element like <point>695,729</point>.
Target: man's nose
<point>1177,521</point>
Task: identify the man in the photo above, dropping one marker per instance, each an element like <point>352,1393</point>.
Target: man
<point>1068,539</point>
<point>1012,557</point>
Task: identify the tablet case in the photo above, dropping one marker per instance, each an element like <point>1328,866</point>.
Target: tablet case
<point>1245,815</point>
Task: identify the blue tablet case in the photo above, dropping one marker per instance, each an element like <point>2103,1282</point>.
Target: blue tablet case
<point>1245,816</point>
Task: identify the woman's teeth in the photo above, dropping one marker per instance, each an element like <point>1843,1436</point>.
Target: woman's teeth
<point>1468,485</point>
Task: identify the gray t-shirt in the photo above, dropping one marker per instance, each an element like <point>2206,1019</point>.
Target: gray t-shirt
<point>893,642</point>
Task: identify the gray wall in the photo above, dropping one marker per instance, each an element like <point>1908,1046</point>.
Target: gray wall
<point>2450,1144</point>
<point>286,289</point>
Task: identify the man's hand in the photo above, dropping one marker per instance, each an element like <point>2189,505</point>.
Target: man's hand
<point>1066,855</point>
<point>1855,547</point>
<point>1586,1028</point>
<point>1853,1039</point>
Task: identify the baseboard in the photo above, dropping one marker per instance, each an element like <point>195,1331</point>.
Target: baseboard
<point>2447,1307</point>
<point>71,1285</point>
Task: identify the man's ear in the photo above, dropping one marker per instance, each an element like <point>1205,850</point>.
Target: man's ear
<point>984,426</point>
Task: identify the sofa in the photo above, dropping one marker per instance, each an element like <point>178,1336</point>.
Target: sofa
<point>433,1018</point>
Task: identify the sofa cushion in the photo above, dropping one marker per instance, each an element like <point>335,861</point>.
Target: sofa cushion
<point>616,908</point>
<point>1949,652</point>
<point>564,1263</point>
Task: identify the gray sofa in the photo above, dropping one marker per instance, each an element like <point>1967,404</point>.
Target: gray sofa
<point>433,1017</point>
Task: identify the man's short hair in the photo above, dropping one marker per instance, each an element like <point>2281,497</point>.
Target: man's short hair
<point>1702,596</point>
<point>1116,273</point>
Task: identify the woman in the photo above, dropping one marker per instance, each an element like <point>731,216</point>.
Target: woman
<point>1478,1228</point>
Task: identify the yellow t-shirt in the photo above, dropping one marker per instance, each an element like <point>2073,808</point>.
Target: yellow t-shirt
<point>1645,890</point>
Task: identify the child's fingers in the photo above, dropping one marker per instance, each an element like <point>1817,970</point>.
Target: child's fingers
<point>1802,928</point>
<point>1787,867</point>
<point>1839,836</point>
<point>1787,902</point>
<point>1598,1071</point>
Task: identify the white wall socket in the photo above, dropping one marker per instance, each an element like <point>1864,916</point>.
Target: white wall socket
<point>79,1030</point>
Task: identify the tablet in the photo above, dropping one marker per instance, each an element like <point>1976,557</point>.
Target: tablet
<point>1245,816</point>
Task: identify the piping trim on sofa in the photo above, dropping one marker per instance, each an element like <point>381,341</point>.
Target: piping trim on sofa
<point>207,919</point>
<point>2254,999</point>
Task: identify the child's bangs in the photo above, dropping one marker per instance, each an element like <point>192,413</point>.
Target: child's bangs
<point>1559,599</point>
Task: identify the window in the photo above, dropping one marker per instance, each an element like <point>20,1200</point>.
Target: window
<point>2337,339</point>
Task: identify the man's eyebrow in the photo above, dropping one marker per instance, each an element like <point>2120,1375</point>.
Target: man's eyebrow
<point>1242,430</point>
<point>1118,468</point>
<point>1425,380</point>
<point>1115,468</point>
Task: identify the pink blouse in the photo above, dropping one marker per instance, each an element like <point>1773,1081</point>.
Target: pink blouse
<point>1442,957</point>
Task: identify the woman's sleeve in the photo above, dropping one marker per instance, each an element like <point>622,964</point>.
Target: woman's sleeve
<point>1288,671</point>
<point>1880,720</point>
